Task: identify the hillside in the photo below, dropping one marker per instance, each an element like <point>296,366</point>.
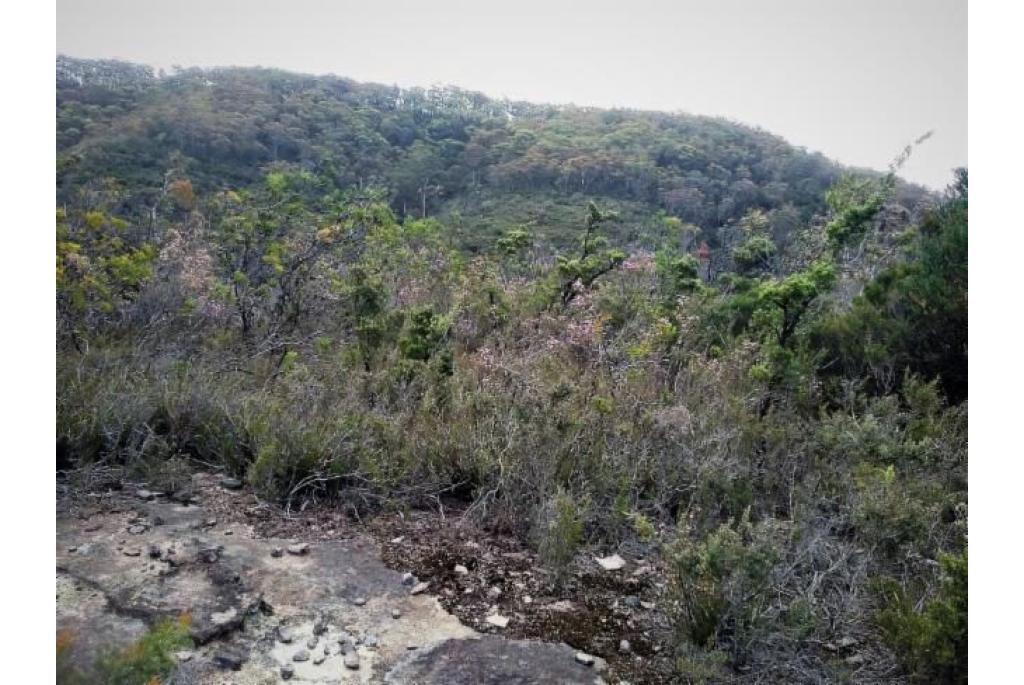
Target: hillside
<point>440,152</point>
<point>642,377</point>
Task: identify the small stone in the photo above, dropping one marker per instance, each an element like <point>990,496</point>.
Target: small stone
<point>631,601</point>
<point>408,579</point>
<point>585,659</point>
<point>359,601</point>
<point>145,494</point>
<point>183,656</point>
<point>137,530</point>
<point>301,655</point>
<point>132,552</point>
<point>184,496</point>
<point>624,646</point>
<point>398,540</point>
<point>312,642</point>
<point>395,613</point>
<point>299,549</point>
<point>412,647</point>
<point>419,588</point>
<point>648,605</point>
<point>287,671</point>
<point>370,640</point>
<point>209,523</point>
<point>352,661</point>
<point>277,552</point>
<point>527,599</point>
<point>855,660</point>
<point>210,554</point>
<point>846,642</point>
<point>320,625</point>
<point>612,563</point>
<point>461,570</point>
<point>154,552</point>
<point>494,593</point>
<point>230,483</point>
<point>72,550</point>
<point>497,620</point>
<point>229,532</point>
<point>230,660</point>
<point>93,527</point>
<point>319,659</point>
<point>285,634</point>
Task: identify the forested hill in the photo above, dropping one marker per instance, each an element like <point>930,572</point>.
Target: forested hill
<point>481,165</point>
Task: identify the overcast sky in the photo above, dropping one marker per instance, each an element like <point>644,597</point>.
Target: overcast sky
<point>855,80</point>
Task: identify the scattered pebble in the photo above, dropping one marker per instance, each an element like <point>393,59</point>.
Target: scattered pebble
<point>299,549</point>
<point>359,601</point>
<point>352,661</point>
<point>276,552</point>
<point>395,613</point>
<point>301,655</point>
<point>408,579</point>
<point>612,563</point>
<point>497,620</point>
<point>319,659</point>
<point>230,483</point>
<point>312,642</point>
<point>494,593</point>
<point>648,605</point>
<point>419,588</point>
<point>287,671</point>
<point>398,540</point>
<point>285,634</point>
<point>585,659</point>
<point>624,646</point>
<point>132,552</point>
<point>461,570</point>
<point>183,656</point>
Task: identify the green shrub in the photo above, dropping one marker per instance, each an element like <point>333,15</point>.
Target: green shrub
<point>148,660</point>
<point>931,643</point>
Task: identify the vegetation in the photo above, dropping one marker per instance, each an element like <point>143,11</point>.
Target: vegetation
<point>589,326</point>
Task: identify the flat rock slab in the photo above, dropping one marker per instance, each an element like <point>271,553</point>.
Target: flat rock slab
<point>240,600</point>
<point>493,660</point>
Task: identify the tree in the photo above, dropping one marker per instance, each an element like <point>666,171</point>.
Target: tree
<point>594,260</point>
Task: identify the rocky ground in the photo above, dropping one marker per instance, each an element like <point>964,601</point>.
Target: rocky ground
<point>316,597</point>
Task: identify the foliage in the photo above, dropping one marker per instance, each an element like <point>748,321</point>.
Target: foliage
<point>149,659</point>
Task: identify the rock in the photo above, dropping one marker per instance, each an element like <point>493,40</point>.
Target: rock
<point>154,552</point>
<point>624,646</point>
<point>209,523</point>
<point>583,658</point>
<point>287,671</point>
<point>408,579</point>
<point>312,642</point>
<point>461,570</point>
<point>419,588</point>
<point>231,483</point>
<point>132,552</point>
<point>183,656</point>
<point>846,642</point>
<point>855,660</point>
<point>145,494</point>
<point>370,640</point>
<point>648,605</point>
<point>184,496</point>
<point>359,601</point>
<point>277,552</point>
<point>210,554</point>
<point>229,532</point>
<point>497,620</point>
<point>72,550</point>
<point>299,549</point>
<point>137,529</point>
<point>494,593</point>
<point>412,647</point>
<point>301,655</point>
<point>631,601</point>
<point>319,659</point>
<point>352,661</point>
<point>227,659</point>
<point>398,540</point>
<point>320,625</point>
<point>612,563</point>
<point>395,613</point>
<point>285,634</point>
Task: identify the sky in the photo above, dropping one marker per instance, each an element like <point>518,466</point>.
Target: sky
<point>856,81</point>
